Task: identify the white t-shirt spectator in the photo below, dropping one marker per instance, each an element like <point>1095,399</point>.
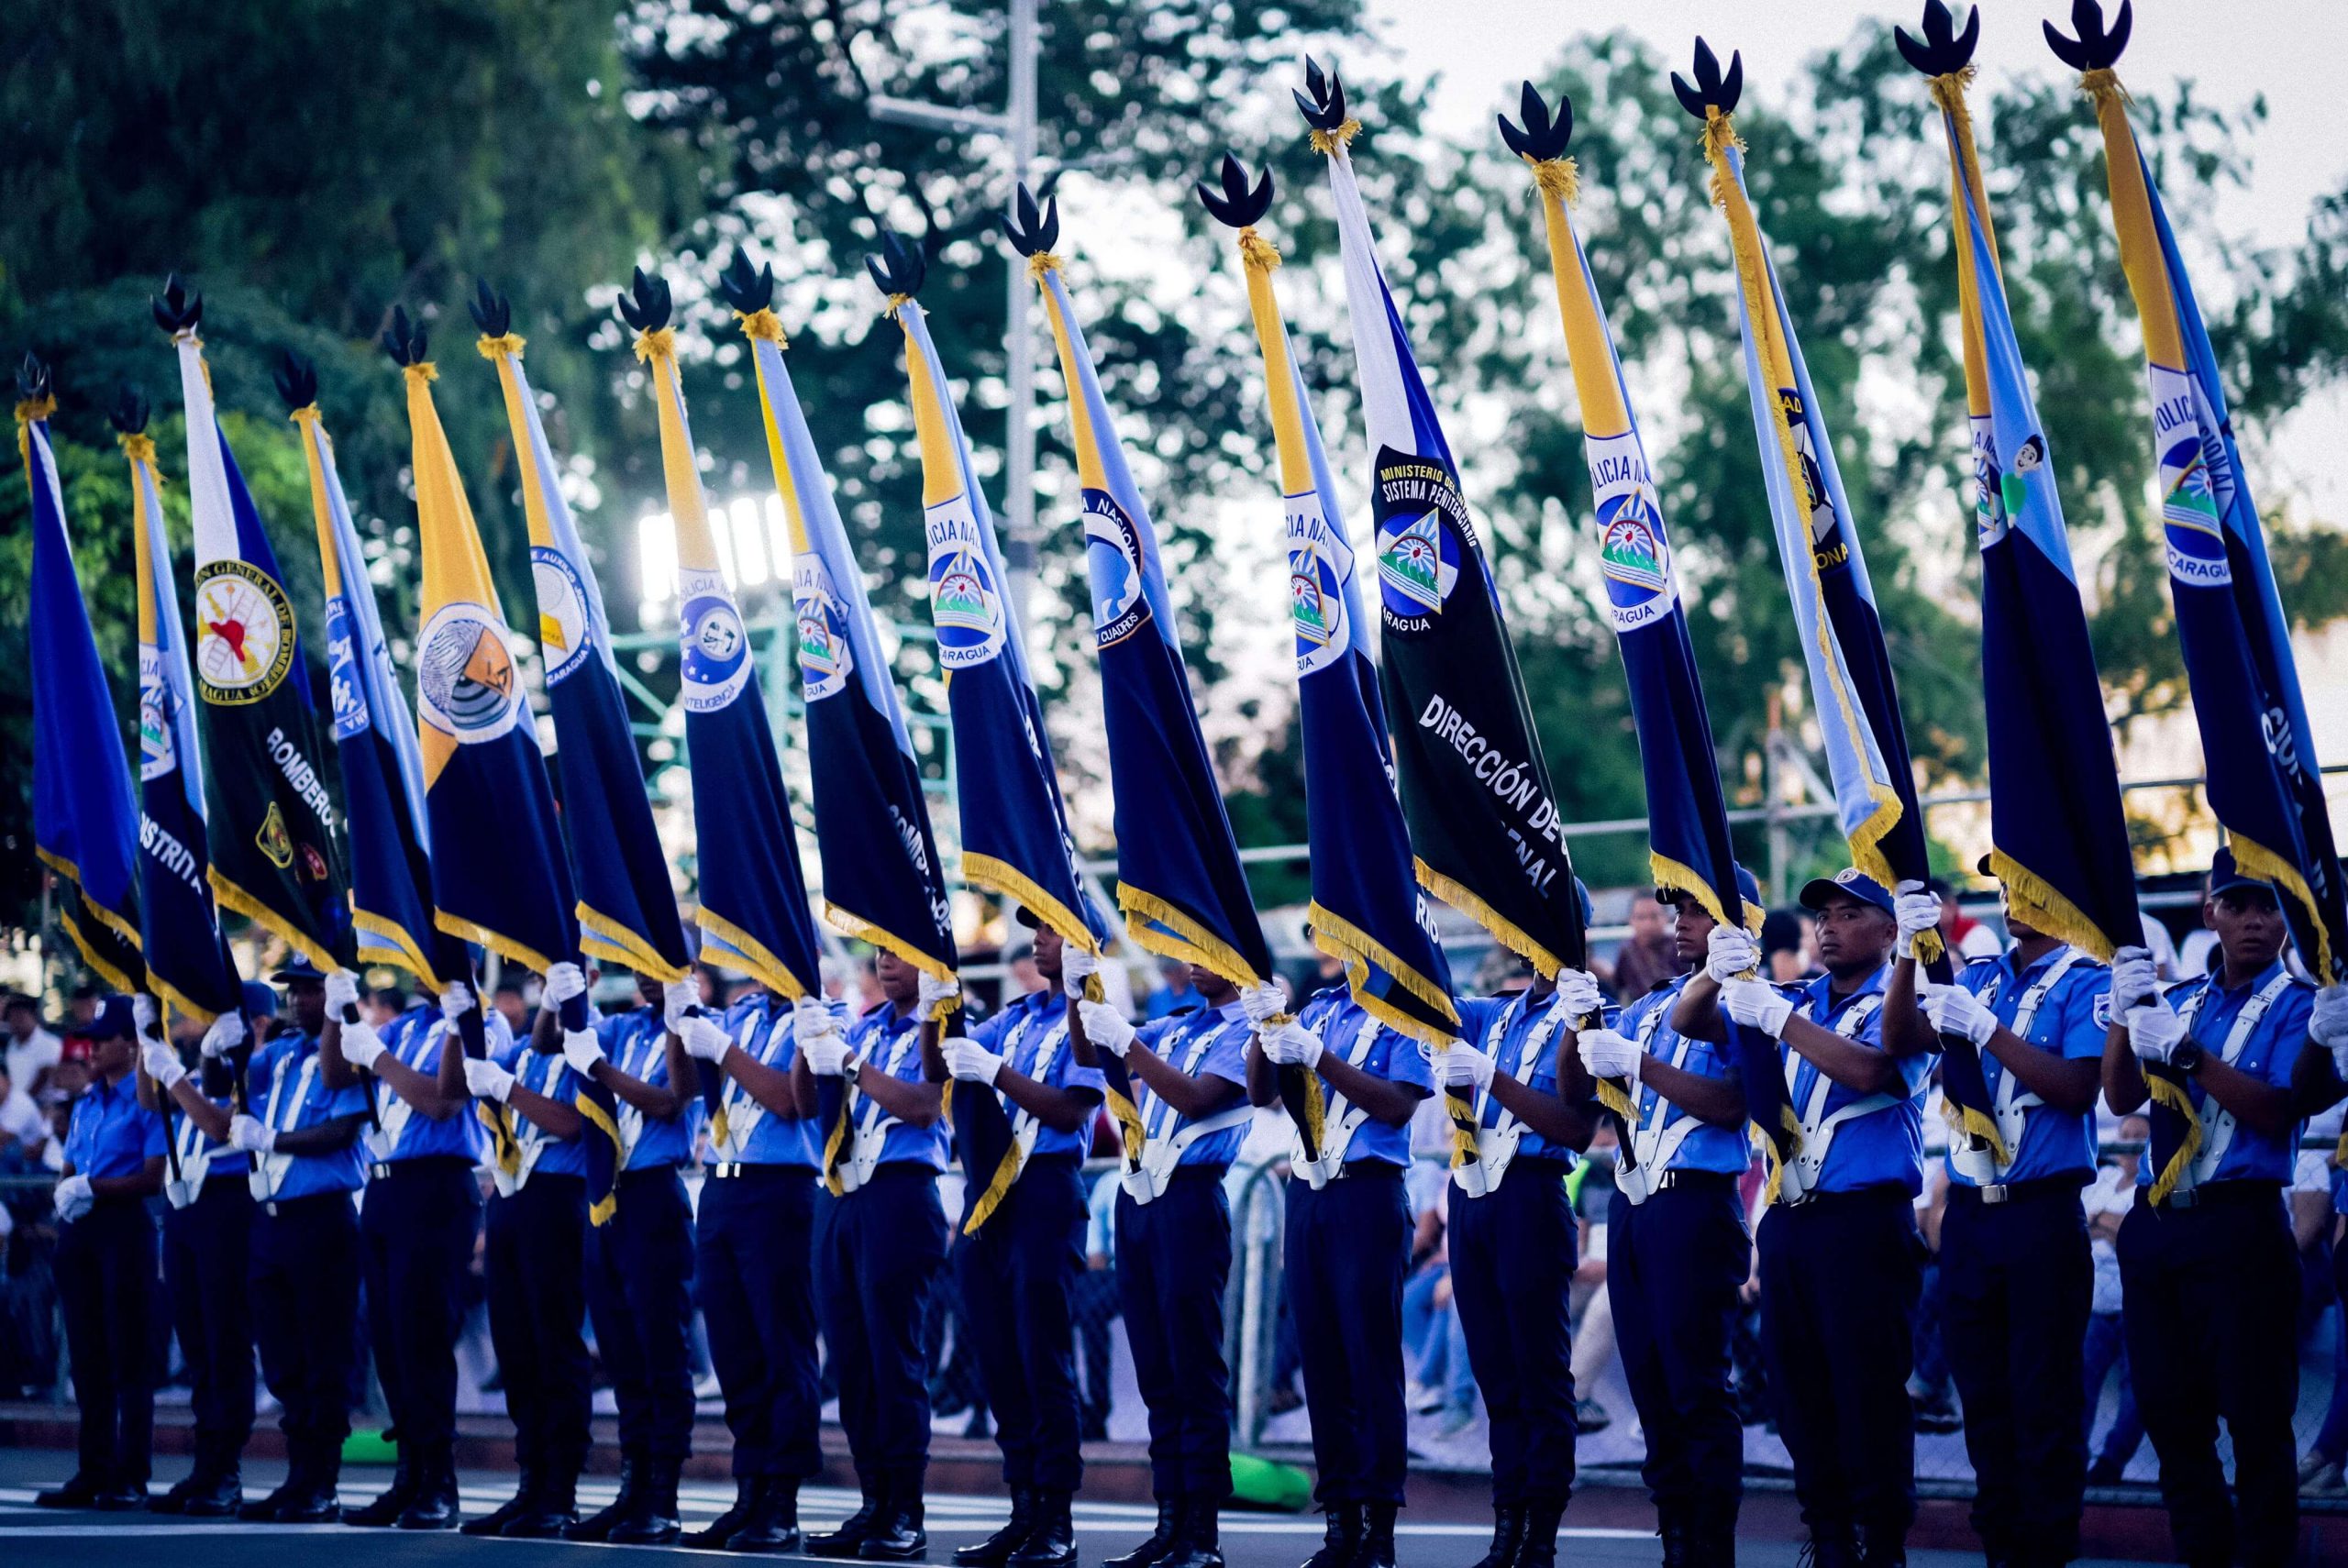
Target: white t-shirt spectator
<point>21,1119</point>
<point>2114,1191</point>
<point>2156,937</point>
<point>33,1056</point>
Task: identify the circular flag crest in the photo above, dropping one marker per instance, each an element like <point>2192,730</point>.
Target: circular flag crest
<point>1631,550</point>
<point>964,605</point>
<point>825,659</point>
<point>566,634</point>
<point>1418,562</point>
<point>342,671</point>
<point>244,634</point>
<point>1316,593</point>
<point>716,658</point>
<point>157,754</point>
<point>1113,562</point>
<point>2197,544</point>
<point>465,683</point>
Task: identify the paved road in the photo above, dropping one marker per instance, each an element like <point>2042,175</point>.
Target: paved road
<point>37,1538</point>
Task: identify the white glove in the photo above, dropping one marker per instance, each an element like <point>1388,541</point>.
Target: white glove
<point>456,1000</point>
<point>1579,994</point>
<point>1461,1066</point>
<point>143,1015</point>
<point>678,998</point>
<point>1730,953</point>
<point>705,1039</point>
<point>1756,1005</point>
<point>811,1017</point>
<point>1293,1045</point>
<point>1077,966</point>
<point>487,1081</point>
<point>1606,1054</point>
<point>248,1133</point>
<point>2328,1024</point>
<point>1917,911</point>
<point>2154,1032</point>
<point>582,1051</point>
<point>1953,1010</point>
<point>1263,1003</point>
<point>225,1034</point>
<point>935,991</point>
<point>564,981</point>
<point>2133,981</point>
<point>1108,1029</point>
<point>342,992</point>
<point>162,1065</point>
<point>73,1197</point>
<point>361,1046</point>
<point>970,1062</point>
<point>826,1055</point>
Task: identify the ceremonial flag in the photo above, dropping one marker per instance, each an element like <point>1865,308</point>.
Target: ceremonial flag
<point>1016,841</point>
<point>188,965</point>
<point>753,897</point>
<point>627,909</point>
<point>375,732</point>
<point>83,822</point>
<point>276,837</point>
<point>883,882</point>
<point>1475,788</point>
<point>2256,747</point>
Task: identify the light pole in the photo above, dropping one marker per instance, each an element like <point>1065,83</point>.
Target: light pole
<point>1016,127</point>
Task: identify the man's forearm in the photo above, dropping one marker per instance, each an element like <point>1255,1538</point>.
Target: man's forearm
<point>916,1105</point>
<point>1720,1102</point>
<point>1061,1109</point>
<point>325,1138</point>
<point>1384,1099</point>
<point>1861,1068</point>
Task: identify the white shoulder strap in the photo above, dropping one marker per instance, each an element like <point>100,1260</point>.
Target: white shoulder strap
<point>2218,1129</point>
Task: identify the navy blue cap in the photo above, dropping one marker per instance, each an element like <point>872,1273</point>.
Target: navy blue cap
<point>299,967</point>
<point>112,1020</point>
<point>2225,875</point>
<point>261,1001</point>
<point>1748,887</point>
<point>1852,883</point>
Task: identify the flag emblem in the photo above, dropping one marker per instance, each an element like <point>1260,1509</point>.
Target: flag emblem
<point>716,659</point>
<point>565,632</point>
<point>157,754</point>
<point>465,684</point>
<point>1320,564</point>
<point>1112,561</point>
<point>244,634</point>
<point>825,658</point>
<point>963,603</point>
<point>274,840</point>
<point>1417,564</point>
<point>344,690</point>
<point>1988,505</point>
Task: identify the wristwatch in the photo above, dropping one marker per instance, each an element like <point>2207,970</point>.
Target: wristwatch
<point>2187,1058</point>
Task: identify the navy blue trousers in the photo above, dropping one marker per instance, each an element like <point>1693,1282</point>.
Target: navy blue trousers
<point>751,1264</point>
<point>1018,1280</point>
<point>1173,1263</point>
<point>878,1252</point>
<point>1839,1280</point>
<point>536,1268</point>
<point>106,1284</point>
<point>417,1229</point>
<point>640,1299</point>
<point>1511,1265</point>
<point>207,1249</point>
<point>305,1295</point>
<point>2016,1280</point>
<point>2209,1299</point>
<point>1346,1251</point>
<point>1673,1266</point>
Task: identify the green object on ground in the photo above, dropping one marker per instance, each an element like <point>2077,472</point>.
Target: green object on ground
<point>1259,1482</point>
<point>369,1448</point>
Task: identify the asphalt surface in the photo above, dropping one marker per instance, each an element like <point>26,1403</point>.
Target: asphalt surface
<point>30,1536</point>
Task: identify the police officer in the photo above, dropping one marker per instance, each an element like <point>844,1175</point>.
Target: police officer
<point>640,1262</point>
<point>2209,1273</point>
<point>534,1246</point>
<point>417,1229</point>
<point>1189,1074</point>
<point>2016,1275</point>
<point>1512,1240</point>
<point>106,1270</point>
<point>754,1241</point>
<point>1345,1249</point>
<point>1677,1249</point>
<point>207,1251</point>
<point>302,1133</point>
<point>1017,1270</point>
<point>878,1248</point>
<point>1841,1258</point>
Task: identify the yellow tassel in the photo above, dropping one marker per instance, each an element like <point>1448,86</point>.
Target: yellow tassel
<point>661,343</point>
<point>1557,177</point>
<point>491,349</point>
<point>1130,1129</point>
<point>1616,1098</point>
<point>2103,86</point>
<point>1929,947</point>
<point>1316,1112</point>
<point>1043,262</point>
<point>1971,1123</point>
<point>139,448</point>
<point>1464,1127</point>
<point>1948,92</point>
<point>763,324</point>
<point>35,408</point>
<point>1329,143</point>
<point>1257,251</point>
<point>835,1148</point>
<point>2168,1092</point>
<point>425,371</point>
<point>1005,1173</point>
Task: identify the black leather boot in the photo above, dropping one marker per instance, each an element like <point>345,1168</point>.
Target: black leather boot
<point>1198,1541</point>
<point>1880,1547</point>
<point>1052,1542</point>
<point>434,1504</point>
<point>1508,1535</point>
<point>554,1505</point>
<point>386,1509</point>
<point>1540,1548</point>
<point>597,1525</point>
<point>996,1549</point>
<point>524,1500</point>
<point>80,1490</point>
<point>850,1538</point>
<point>319,1498</point>
<point>173,1500</point>
<point>653,1520</point>
<point>897,1535</point>
<point>1834,1546</point>
<point>1675,1529</point>
<point>222,1494</point>
<point>1377,1548</point>
<point>1341,1541</point>
<point>1160,1542</point>
<point>774,1523</point>
<point>263,1511</point>
<point>720,1530</point>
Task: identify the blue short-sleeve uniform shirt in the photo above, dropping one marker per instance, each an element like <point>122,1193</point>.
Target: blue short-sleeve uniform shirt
<point>2269,1054</point>
<point>752,1133</point>
<point>288,1091</point>
<point>1503,1028</point>
<point>2065,1024</point>
<point>1334,1015</point>
<point>416,1037</point>
<point>111,1134</point>
<point>1019,1034</point>
<point>220,1159</point>
<point>1703,1147</point>
<point>638,1043</point>
<point>1208,1043</point>
<point>1882,1146</point>
<point>547,1074</point>
<point>890,1041</point>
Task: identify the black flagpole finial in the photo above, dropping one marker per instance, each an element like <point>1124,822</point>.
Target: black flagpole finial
<point>1943,50</point>
<point>178,308</point>
<point>1237,206</point>
<point>899,268</point>
<point>403,341</point>
<point>128,414</point>
<point>645,307</point>
<point>1324,110</point>
<point>297,380</point>
<point>32,378</point>
<point>1713,89</point>
<point>2095,48</point>
<point>1542,137</point>
<point>492,311</point>
<point>748,290</point>
<point>1033,232</point>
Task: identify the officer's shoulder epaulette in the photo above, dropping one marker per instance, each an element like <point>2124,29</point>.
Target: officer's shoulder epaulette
<point>2179,988</point>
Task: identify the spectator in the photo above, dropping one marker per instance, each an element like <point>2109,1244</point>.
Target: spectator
<point>1174,993</point>
<point>1095,1302</point>
<point>2324,1310</point>
<point>515,999</point>
<point>1932,1387</point>
<point>1648,959</point>
<point>2108,1199</point>
<point>23,1128</point>
<point>1435,1345</point>
<point>1785,948</point>
<point>382,1005</point>
<point>1021,975</point>
<point>1591,1187</point>
<point>1967,938</point>
<point>33,1049</point>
